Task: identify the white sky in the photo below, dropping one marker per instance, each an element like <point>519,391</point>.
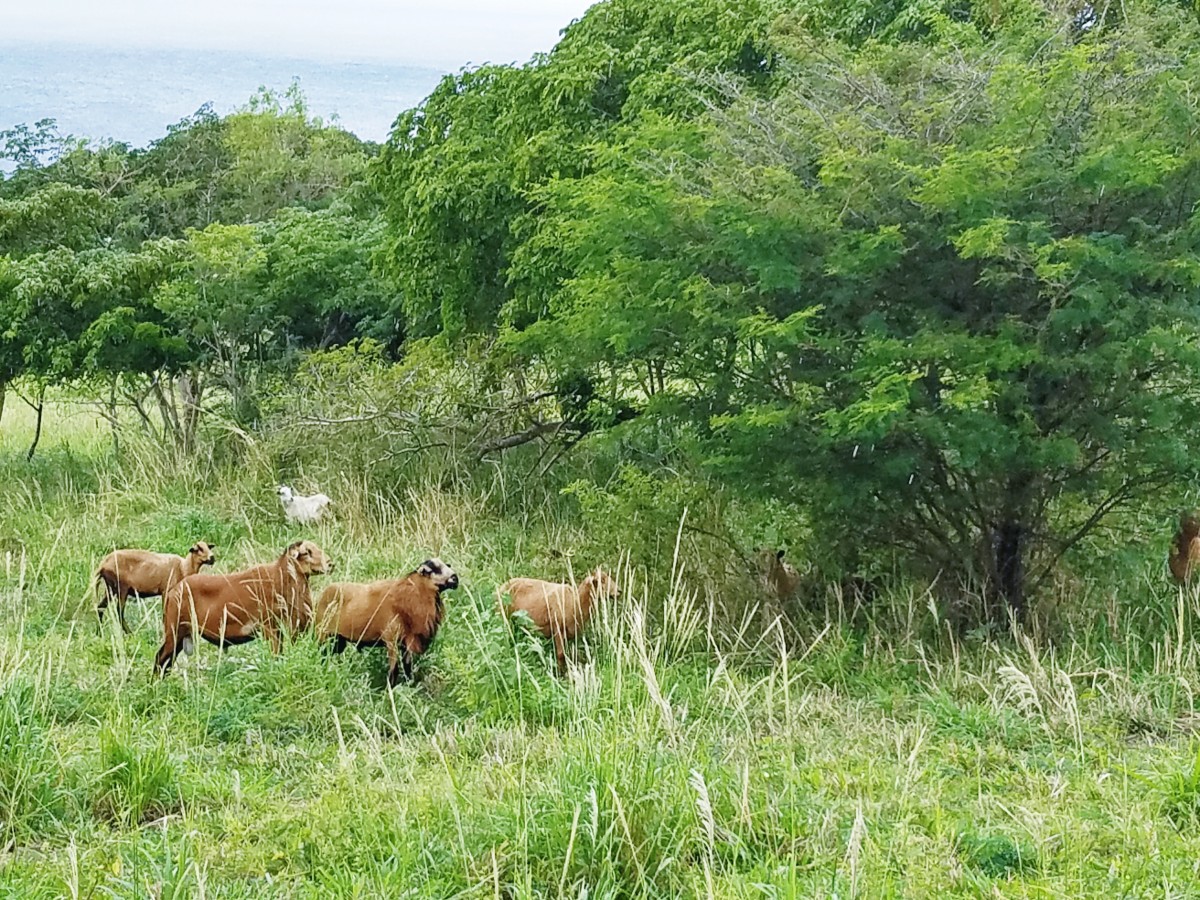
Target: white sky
<point>444,33</point>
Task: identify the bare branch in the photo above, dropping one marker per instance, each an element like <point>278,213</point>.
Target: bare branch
<point>537,430</point>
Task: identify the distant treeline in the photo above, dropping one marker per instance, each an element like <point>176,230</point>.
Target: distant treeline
<point>925,272</point>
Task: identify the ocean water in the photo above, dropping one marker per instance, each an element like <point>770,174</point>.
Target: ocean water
<point>132,95</point>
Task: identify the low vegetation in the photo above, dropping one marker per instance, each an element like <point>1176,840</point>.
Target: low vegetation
<point>889,754</point>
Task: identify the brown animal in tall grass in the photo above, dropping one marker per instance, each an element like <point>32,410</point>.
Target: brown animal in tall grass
<point>780,581</point>
<point>560,611</point>
<point>143,573</point>
<point>233,609</point>
<point>401,614</point>
<point>780,578</point>
<point>1185,550</point>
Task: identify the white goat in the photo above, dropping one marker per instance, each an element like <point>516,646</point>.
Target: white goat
<point>298,508</point>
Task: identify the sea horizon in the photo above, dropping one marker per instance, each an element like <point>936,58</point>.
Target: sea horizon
<point>132,94</point>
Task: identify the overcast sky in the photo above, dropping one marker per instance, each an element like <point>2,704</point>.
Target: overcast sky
<point>444,33</point>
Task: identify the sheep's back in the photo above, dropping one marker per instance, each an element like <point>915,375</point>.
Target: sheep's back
<point>545,602</point>
<point>261,584</point>
<point>142,570</point>
<point>333,601</point>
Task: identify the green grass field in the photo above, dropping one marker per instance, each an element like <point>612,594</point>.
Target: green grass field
<point>894,758</point>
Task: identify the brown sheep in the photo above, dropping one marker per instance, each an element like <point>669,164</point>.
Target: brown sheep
<point>1185,551</point>
<point>402,613</point>
<point>780,578</point>
<point>232,609</point>
<point>145,574</point>
<point>560,611</point>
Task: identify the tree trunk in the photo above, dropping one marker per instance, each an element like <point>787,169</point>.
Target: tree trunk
<point>40,406</point>
<point>191,392</point>
<point>112,415</point>
<point>3,393</point>
<point>166,409</point>
<point>1010,566</point>
<point>1009,547</point>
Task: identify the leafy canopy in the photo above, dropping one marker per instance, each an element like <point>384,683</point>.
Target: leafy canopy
<point>942,292</point>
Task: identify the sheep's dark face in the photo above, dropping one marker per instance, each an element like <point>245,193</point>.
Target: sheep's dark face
<point>309,558</point>
<point>203,553</point>
<point>443,577</point>
<point>1189,524</point>
<point>771,564</point>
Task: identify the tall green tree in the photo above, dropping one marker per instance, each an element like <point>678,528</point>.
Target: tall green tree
<point>944,293</point>
<point>282,157</point>
<point>321,279</point>
<point>42,324</point>
<point>57,214</point>
<point>214,302</point>
<point>459,175</point>
<point>181,180</point>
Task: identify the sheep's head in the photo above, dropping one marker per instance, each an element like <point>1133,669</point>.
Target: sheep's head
<point>285,494</point>
<point>777,574</point>
<point>443,577</point>
<point>1189,523</point>
<point>768,561</point>
<point>203,553</point>
<point>602,584</point>
<point>309,558</point>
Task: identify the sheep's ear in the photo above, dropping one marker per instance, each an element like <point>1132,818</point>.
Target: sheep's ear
<point>425,570</point>
<point>293,550</point>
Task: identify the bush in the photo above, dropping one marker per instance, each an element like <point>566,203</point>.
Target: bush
<point>138,784</point>
<point>32,790</point>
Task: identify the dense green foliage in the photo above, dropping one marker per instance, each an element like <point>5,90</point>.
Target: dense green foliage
<point>936,287</point>
<point>202,262</point>
<point>920,275</point>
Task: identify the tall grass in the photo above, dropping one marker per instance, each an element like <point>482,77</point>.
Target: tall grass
<point>686,753</point>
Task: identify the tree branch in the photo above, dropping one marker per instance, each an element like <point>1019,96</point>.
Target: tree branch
<point>537,430</point>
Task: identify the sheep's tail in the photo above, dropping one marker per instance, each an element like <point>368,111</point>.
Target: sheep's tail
<point>98,590</point>
<point>97,580</point>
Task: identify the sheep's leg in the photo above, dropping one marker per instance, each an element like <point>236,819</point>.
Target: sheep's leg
<point>770,612</point>
<point>392,663</point>
<point>560,652</point>
<point>122,596</point>
<point>271,633</point>
<point>413,647</point>
<point>105,596</point>
<point>332,643</point>
<point>166,655</point>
